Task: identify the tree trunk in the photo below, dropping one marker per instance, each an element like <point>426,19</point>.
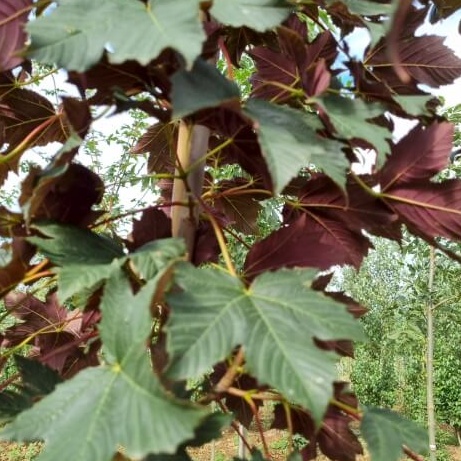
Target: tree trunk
<point>430,360</point>
<point>242,453</point>
<point>187,186</point>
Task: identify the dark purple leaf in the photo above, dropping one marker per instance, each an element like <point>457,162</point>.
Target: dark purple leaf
<point>13,17</point>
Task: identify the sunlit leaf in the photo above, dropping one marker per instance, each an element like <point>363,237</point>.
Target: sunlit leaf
<point>289,143</point>
<point>385,432</point>
<point>351,119</point>
<point>125,400</point>
<point>259,15</point>
<point>62,36</point>
<point>215,312</point>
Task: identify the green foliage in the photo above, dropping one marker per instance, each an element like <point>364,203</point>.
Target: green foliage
<point>259,15</point>
<point>62,38</point>
<point>379,426</point>
<point>191,89</point>
<point>353,118</point>
<point>123,385</point>
<point>215,309</point>
<point>284,134</point>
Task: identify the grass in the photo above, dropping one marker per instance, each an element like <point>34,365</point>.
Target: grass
<point>19,451</point>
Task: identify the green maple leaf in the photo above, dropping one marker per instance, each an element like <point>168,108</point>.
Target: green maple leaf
<point>77,33</point>
<point>259,15</point>
<point>289,142</point>
<point>115,404</point>
<point>351,119</point>
<point>275,319</point>
<point>202,86</point>
<point>87,259</point>
<point>385,432</point>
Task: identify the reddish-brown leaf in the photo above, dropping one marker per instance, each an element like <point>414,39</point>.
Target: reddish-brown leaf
<point>429,210</point>
<point>76,115</point>
<point>356,209</point>
<point>426,60</point>
<point>418,156</point>
<point>65,195</point>
<point>353,307</point>
<point>13,272</point>
<point>23,111</point>
<point>130,77</point>
<point>27,116</point>
<point>238,405</point>
<point>56,333</point>
<point>343,19</point>
<point>206,247</point>
<point>238,202</point>
<point>335,439</point>
<point>153,225</point>
<point>237,40</point>
<point>13,17</point>
<point>295,65</point>
<point>228,124</point>
<point>160,142</point>
<point>308,241</point>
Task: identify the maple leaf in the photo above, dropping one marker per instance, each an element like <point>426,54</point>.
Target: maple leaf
<point>129,77</point>
<point>201,87</point>
<point>385,431</point>
<point>238,202</point>
<point>296,65</point>
<point>13,272</point>
<point>131,422</point>
<point>230,125</point>
<point>37,380</point>
<point>258,15</point>
<point>153,225</point>
<point>157,23</point>
<point>354,208</point>
<point>308,241</point>
<point>327,224</point>
<point>352,120</point>
<point>425,59</point>
<point>25,114</point>
<point>428,208</point>
<point>62,194</point>
<point>58,334</point>
<point>239,406</point>
<point>216,308</point>
<point>13,17</point>
<point>23,111</point>
<point>334,438</point>
<point>159,141</point>
<point>237,41</point>
<point>418,156</point>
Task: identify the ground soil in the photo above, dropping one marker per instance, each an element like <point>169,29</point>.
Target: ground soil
<point>227,447</point>
<point>224,449</point>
